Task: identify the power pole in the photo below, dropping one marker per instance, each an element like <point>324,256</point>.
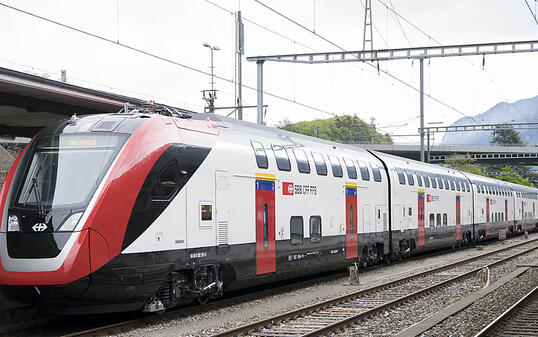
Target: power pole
<point>422,110</point>
<point>239,52</point>
<point>367,26</point>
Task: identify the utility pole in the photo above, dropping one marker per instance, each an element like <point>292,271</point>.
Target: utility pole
<point>367,26</point>
<point>259,118</point>
<point>422,109</point>
<point>239,52</point>
<point>210,95</point>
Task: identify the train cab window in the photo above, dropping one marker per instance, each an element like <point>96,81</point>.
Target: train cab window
<point>350,167</point>
<point>445,219</point>
<point>365,174</point>
<point>419,179</point>
<point>261,156</point>
<point>438,218</point>
<point>401,176</point>
<point>376,172</point>
<point>434,182</point>
<point>296,230</point>
<point>165,185</point>
<point>432,220</point>
<point>410,178</point>
<point>426,180</point>
<point>337,168</point>
<point>319,161</point>
<point>315,229</point>
<point>303,165</point>
<point>282,158</point>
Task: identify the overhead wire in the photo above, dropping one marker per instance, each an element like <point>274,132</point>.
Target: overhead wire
<point>161,58</point>
<point>530,9</point>
<point>369,64</point>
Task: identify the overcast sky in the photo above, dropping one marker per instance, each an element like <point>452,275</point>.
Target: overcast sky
<point>176,30</point>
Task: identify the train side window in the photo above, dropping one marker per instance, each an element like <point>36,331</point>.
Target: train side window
<point>336,167</point>
<point>440,182</point>
<point>302,161</point>
<point>432,220</point>
<point>426,180</point>
<point>376,172</point>
<point>282,158</point>
<point>447,183</point>
<point>458,188</point>
<point>445,219</point>
<point>401,176</point>
<point>419,179</point>
<point>434,182</point>
<point>315,229</point>
<point>319,161</point>
<point>452,184</point>
<point>365,174</point>
<point>350,167</point>
<point>261,156</point>
<point>165,185</point>
<point>438,218</point>
<point>410,211</point>
<point>265,226</point>
<point>410,178</point>
<point>296,230</point>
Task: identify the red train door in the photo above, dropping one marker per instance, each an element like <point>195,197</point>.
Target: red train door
<point>523,215</point>
<point>487,216</point>
<point>265,226</point>
<point>506,215</point>
<point>458,216</point>
<point>351,223</point>
<point>421,218</point>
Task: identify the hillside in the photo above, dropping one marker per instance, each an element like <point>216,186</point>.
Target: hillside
<point>525,110</point>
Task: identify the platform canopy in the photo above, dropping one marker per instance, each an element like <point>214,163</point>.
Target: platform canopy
<point>28,103</point>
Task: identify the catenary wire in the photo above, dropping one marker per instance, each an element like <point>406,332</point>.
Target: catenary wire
<point>371,65</point>
<point>147,53</point>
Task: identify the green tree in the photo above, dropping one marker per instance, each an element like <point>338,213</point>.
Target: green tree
<point>512,176</point>
<point>505,135</point>
<point>350,129</point>
<point>464,164</point>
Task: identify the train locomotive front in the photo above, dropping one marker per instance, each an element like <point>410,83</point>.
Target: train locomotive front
<point>68,209</point>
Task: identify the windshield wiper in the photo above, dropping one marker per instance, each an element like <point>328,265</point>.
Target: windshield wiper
<point>35,187</point>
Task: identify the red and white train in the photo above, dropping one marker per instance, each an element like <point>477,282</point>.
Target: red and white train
<point>138,211</point>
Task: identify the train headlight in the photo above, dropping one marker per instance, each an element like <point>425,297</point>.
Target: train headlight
<point>71,222</point>
<point>13,224</point>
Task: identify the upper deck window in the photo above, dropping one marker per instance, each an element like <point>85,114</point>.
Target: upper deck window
<point>261,156</point>
<point>426,180</point>
<point>434,181</point>
<point>282,158</point>
<point>337,168</point>
<point>302,161</point>
<point>319,161</point>
<point>351,170</point>
<point>376,171</point>
<point>401,176</point>
<point>410,178</point>
<point>365,174</point>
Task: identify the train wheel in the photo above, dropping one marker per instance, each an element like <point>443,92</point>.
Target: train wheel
<point>202,299</point>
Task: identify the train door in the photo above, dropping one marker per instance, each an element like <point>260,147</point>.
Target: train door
<point>458,216</point>
<point>265,226</point>
<point>421,218</point>
<point>351,223</point>
<point>506,215</point>
<point>487,216</point>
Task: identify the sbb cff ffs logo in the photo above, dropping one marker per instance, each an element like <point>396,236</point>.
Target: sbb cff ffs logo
<point>287,188</point>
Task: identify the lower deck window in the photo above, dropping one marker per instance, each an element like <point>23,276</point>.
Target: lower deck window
<point>445,219</point>
<point>296,230</point>
<point>315,229</point>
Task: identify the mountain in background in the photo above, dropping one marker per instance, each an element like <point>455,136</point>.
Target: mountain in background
<point>522,111</point>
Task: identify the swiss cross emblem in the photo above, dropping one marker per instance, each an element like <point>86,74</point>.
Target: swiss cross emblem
<point>287,188</point>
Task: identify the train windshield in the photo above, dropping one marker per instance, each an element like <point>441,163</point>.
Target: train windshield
<point>66,170</point>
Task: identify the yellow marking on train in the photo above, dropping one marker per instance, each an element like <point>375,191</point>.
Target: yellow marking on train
<point>458,194</point>
<point>487,196</point>
<point>265,176</point>
<point>350,184</point>
<point>420,191</point>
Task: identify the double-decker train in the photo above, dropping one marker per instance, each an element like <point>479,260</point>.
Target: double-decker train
<point>139,211</point>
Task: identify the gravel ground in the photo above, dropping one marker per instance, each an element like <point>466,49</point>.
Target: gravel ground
<point>404,316</point>
<point>481,313</point>
<point>211,322</point>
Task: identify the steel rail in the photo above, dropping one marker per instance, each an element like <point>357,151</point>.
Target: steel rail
<point>332,302</point>
<point>499,320</point>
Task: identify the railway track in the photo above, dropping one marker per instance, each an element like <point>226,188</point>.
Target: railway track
<point>338,313</point>
<point>521,319</point>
